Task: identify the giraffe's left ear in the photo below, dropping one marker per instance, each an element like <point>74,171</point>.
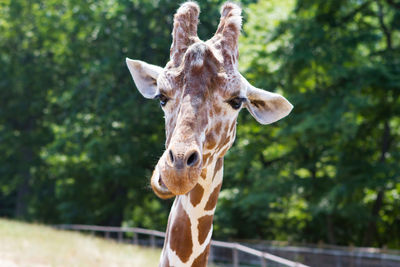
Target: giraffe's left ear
<point>266,107</point>
<point>145,76</point>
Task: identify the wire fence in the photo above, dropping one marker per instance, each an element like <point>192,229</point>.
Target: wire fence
<point>334,256</point>
<point>251,254</point>
<point>235,250</point>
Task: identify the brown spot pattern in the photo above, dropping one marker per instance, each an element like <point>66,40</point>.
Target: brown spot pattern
<point>196,194</point>
<point>204,227</point>
<point>218,166</point>
<point>201,260</point>
<point>203,173</point>
<point>217,128</point>
<point>224,152</point>
<point>205,158</point>
<point>226,129</point>
<point>224,138</point>
<point>211,159</point>
<point>217,109</point>
<point>210,141</point>
<point>181,235</point>
<point>212,201</point>
<point>226,141</point>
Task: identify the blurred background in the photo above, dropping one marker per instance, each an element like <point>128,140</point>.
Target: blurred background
<point>78,142</point>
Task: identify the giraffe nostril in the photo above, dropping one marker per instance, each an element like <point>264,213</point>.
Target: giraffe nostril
<point>171,156</point>
<point>192,159</point>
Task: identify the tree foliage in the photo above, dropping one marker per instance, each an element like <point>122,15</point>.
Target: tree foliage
<point>330,171</point>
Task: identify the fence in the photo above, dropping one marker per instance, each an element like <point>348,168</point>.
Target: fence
<point>267,254</point>
<point>334,256</point>
<point>264,257</point>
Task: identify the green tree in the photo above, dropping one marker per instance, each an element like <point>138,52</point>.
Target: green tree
<point>27,76</point>
<point>328,172</point>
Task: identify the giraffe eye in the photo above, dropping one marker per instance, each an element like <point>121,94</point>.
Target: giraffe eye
<point>236,102</point>
<point>163,99</point>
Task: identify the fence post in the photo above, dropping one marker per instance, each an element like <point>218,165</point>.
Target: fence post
<point>383,261</point>
<point>235,255</point>
<point>152,241</point>
<point>107,235</point>
<point>263,261</point>
<point>120,237</point>
<point>211,255</point>
<point>338,260</point>
<point>135,239</point>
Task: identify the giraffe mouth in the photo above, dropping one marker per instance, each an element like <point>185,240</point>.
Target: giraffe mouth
<point>159,187</point>
<point>161,184</point>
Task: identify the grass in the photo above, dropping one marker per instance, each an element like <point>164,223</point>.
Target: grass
<point>23,244</point>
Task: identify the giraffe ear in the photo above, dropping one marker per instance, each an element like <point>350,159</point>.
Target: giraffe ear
<point>145,76</point>
<point>266,107</point>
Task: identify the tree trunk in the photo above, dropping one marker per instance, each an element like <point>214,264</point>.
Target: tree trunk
<point>370,233</point>
<point>23,188</point>
<point>371,228</point>
<point>331,232</point>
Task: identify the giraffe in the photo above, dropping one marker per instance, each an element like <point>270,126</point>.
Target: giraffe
<point>201,93</point>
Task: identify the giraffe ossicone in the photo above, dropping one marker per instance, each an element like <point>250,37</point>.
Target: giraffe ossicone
<point>201,93</point>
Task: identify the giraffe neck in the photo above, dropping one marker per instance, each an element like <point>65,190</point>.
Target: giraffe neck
<point>189,230</point>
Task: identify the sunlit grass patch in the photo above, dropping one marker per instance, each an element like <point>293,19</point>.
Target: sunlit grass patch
<point>23,244</point>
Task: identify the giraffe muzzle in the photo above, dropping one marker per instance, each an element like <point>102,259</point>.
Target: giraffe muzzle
<point>177,172</point>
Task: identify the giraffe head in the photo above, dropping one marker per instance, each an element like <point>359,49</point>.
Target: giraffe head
<point>201,93</point>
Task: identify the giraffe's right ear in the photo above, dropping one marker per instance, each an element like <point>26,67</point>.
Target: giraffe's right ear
<point>266,107</point>
<point>145,76</point>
